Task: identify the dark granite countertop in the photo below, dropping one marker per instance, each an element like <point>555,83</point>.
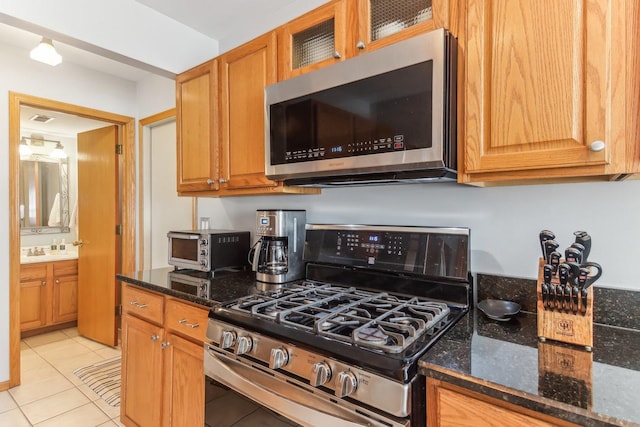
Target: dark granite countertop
<point>506,360</point>
<point>200,288</point>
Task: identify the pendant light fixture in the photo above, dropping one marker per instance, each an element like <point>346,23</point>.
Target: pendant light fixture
<point>45,52</point>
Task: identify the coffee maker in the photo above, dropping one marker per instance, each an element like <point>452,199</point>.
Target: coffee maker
<point>277,257</point>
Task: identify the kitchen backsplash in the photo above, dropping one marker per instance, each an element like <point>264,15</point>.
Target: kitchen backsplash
<point>613,307</point>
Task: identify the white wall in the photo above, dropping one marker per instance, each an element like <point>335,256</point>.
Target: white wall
<point>71,84</point>
<point>504,221</point>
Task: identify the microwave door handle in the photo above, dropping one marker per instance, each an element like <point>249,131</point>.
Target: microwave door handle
<point>275,394</point>
<point>183,236</point>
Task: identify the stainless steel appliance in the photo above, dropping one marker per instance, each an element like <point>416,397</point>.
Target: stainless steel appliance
<point>208,250</point>
<point>341,348</point>
<point>277,256</point>
<point>383,117</point>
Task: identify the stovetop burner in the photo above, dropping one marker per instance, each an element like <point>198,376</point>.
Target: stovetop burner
<point>348,314</point>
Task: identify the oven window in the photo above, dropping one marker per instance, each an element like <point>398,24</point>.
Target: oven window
<point>186,249</point>
<point>226,408</point>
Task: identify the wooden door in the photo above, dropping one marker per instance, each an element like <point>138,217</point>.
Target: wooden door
<point>141,372</point>
<point>197,128</point>
<point>97,219</point>
<point>183,382</point>
<point>244,73</point>
<point>536,84</point>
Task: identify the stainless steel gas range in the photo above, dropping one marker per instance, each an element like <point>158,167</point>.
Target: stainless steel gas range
<point>341,347</point>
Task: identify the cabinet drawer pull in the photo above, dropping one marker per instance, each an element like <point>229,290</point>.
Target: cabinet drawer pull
<point>137,304</point>
<point>189,325</point>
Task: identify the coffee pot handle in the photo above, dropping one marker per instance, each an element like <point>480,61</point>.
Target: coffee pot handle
<point>257,248</point>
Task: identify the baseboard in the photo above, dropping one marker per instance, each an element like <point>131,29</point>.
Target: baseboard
<point>4,385</point>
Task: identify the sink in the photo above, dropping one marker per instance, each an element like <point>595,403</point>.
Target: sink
<point>25,259</point>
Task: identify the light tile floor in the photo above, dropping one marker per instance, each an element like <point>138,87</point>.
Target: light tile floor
<point>50,394</point>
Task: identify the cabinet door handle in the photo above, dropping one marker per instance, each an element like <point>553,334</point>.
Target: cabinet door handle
<point>360,45</point>
<point>165,344</point>
<point>57,281</point>
<point>211,181</point>
<point>222,181</point>
<point>44,283</point>
<point>155,338</point>
<point>137,304</point>
<point>596,146</point>
<point>189,325</point>
<point>337,55</point>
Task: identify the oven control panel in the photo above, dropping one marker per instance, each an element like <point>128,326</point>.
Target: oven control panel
<point>439,252</point>
<point>329,374</point>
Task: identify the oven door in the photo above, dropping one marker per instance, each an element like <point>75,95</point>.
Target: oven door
<point>278,398</point>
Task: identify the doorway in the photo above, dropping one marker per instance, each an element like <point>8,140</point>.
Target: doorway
<point>126,189</point>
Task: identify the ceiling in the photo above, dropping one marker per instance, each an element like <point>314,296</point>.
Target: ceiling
<point>216,18</point>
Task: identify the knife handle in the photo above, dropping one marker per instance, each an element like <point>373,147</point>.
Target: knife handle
<point>584,239</point>
<point>584,293</point>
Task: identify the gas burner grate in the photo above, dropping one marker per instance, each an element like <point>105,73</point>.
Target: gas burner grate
<point>373,320</point>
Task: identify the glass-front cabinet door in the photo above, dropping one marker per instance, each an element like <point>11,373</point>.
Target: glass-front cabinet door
<point>384,22</point>
<point>314,40</point>
<point>345,28</point>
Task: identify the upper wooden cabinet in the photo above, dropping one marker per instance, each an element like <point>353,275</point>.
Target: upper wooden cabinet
<point>196,127</point>
<point>244,73</point>
<point>345,28</point>
<point>221,124</point>
<point>384,22</point>
<point>542,89</point>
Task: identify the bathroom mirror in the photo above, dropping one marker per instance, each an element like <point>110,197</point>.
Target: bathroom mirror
<point>44,195</point>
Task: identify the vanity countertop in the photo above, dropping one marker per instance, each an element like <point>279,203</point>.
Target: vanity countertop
<point>47,257</point>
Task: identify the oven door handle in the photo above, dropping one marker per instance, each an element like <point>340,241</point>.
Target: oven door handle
<point>304,408</point>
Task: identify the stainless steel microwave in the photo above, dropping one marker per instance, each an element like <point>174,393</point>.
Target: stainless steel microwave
<point>208,250</point>
<point>382,117</point>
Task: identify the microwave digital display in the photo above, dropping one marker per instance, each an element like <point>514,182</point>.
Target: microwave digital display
<point>264,221</point>
<point>385,113</point>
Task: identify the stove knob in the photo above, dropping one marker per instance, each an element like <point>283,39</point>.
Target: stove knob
<point>279,358</point>
<point>321,374</point>
<point>244,344</point>
<point>347,383</point>
<point>228,339</point>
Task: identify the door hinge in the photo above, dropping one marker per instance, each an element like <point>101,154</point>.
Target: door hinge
<point>119,149</point>
<point>119,310</point>
<point>119,230</point>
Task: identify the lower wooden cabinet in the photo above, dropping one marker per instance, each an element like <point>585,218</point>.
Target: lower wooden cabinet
<point>48,294</point>
<point>162,360</point>
<point>451,405</point>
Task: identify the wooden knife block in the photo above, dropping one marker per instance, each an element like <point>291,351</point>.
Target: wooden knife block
<point>564,327</point>
<point>565,374</point>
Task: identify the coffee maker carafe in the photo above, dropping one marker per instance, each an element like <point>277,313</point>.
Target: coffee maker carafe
<point>277,257</point>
